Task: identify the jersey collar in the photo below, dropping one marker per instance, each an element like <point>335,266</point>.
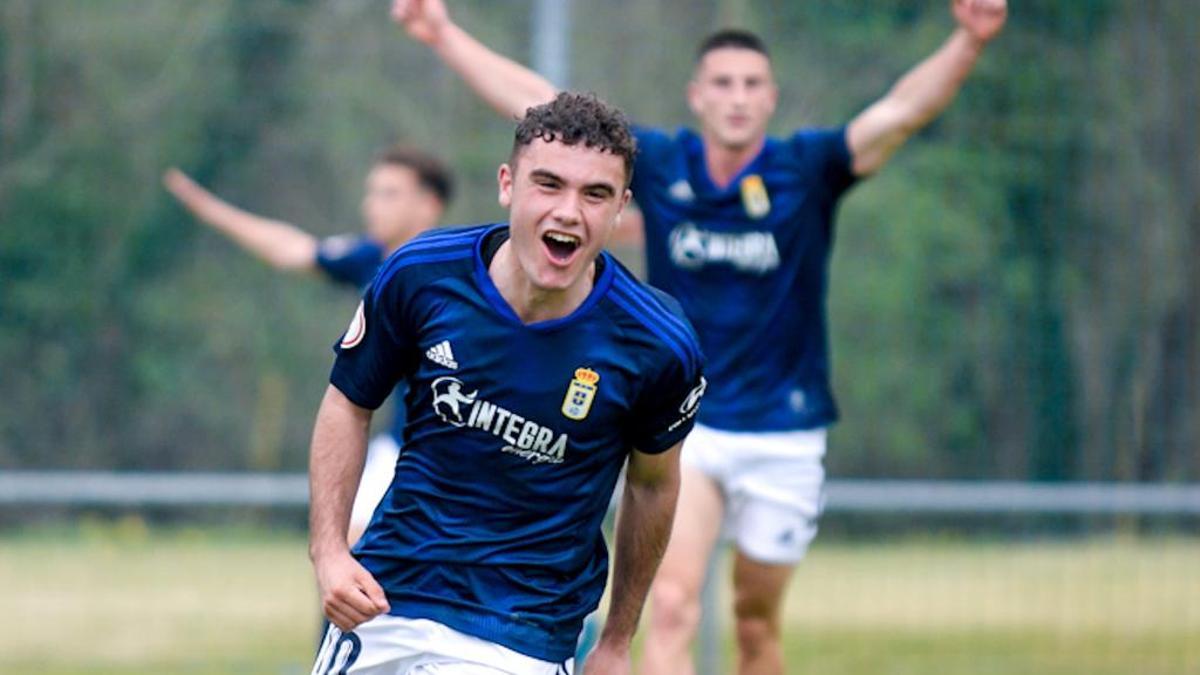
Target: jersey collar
<point>693,145</point>
<point>492,294</point>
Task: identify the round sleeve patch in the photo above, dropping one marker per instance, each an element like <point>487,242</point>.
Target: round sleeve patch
<point>357,330</point>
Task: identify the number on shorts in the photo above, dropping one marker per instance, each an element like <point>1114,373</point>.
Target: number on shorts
<point>338,652</point>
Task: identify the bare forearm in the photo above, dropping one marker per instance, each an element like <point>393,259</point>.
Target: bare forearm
<point>922,94</point>
<point>507,86</point>
<point>335,466</point>
<point>277,243</point>
<point>643,529</point>
<point>926,90</point>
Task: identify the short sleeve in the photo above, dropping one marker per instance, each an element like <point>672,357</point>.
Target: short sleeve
<point>349,259</point>
<point>826,152</point>
<point>648,140</point>
<point>374,352</point>
<point>666,410</point>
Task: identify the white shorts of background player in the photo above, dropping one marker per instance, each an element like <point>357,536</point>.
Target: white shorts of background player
<point>773,484</point>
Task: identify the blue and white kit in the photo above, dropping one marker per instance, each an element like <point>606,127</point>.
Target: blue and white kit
<point>749,264</point>
<point>515,438</point>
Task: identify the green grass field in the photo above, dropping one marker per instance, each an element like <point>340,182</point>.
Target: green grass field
<point>122,599</point>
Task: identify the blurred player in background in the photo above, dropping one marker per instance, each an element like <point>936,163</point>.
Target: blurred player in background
<point>407,191</point>
<point>739,228</point>
<point>537,368</point>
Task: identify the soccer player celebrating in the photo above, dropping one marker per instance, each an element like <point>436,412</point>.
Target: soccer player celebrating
<point>739,227</point>
<point>537,367</point>
<point>406,193</point>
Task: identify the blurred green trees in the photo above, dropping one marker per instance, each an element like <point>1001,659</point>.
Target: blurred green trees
<point>1015,296</point>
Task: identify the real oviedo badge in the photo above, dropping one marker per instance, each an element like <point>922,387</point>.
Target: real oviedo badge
<point>580,394</point>
<point>754,196</point>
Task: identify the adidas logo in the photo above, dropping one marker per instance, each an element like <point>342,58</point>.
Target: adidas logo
<point>681,191</point>
<point>442,355</point>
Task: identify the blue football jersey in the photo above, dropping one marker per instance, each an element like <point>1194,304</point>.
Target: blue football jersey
<point>516,435</point>
<point>350,259</point>
<point>354,260</point>
<point>749,264</point>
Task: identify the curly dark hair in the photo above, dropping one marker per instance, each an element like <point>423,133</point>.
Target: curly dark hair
<point>578,118</point>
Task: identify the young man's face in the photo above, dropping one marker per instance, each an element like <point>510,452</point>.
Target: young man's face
<point>395,207</point>
<point>564,202</point>
<point>734,95</point>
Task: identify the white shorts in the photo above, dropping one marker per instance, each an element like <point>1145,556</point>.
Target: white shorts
<point>395,645</point>
<point>773,483</point>
<point>378,470</point>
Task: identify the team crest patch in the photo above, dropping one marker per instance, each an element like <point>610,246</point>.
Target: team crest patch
<point>754,196</point>
<point>357,330</point>
<point>580,394</point>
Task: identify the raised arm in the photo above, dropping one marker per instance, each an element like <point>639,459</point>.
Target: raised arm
<point>279,244</point>
<point>504,84</point>
<point>925,91</point>
<point>643,528</point>
<point>349,594</point>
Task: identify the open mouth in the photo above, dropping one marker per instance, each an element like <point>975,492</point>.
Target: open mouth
<point>561,246</point>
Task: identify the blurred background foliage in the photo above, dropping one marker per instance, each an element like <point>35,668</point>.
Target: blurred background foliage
<point>1015,296</point>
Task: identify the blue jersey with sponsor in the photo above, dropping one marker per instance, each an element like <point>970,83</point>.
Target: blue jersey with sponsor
<point>354,260</point>
<point>516,435</point>
<point>749,264</point>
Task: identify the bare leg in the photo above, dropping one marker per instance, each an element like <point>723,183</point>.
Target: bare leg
<point>675,593</point>
<point>758,604</point>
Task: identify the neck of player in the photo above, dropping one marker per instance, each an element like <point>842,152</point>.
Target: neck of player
<point>726,161</point>
<point>531,303</point>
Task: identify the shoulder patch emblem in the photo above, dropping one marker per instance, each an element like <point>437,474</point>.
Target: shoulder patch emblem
<point>754,196</point>
<point>357,329</point>
<point>580,394</point>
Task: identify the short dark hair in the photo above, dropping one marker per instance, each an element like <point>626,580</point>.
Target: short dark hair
<point>432,174</point>
<point>735,38</point>
<point>578,118</point>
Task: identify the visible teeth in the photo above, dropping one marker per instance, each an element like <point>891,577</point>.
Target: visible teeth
<point>563,238</point>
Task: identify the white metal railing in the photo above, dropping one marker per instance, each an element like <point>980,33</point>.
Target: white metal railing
<point>101,488</point>
<point>290,490</point>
